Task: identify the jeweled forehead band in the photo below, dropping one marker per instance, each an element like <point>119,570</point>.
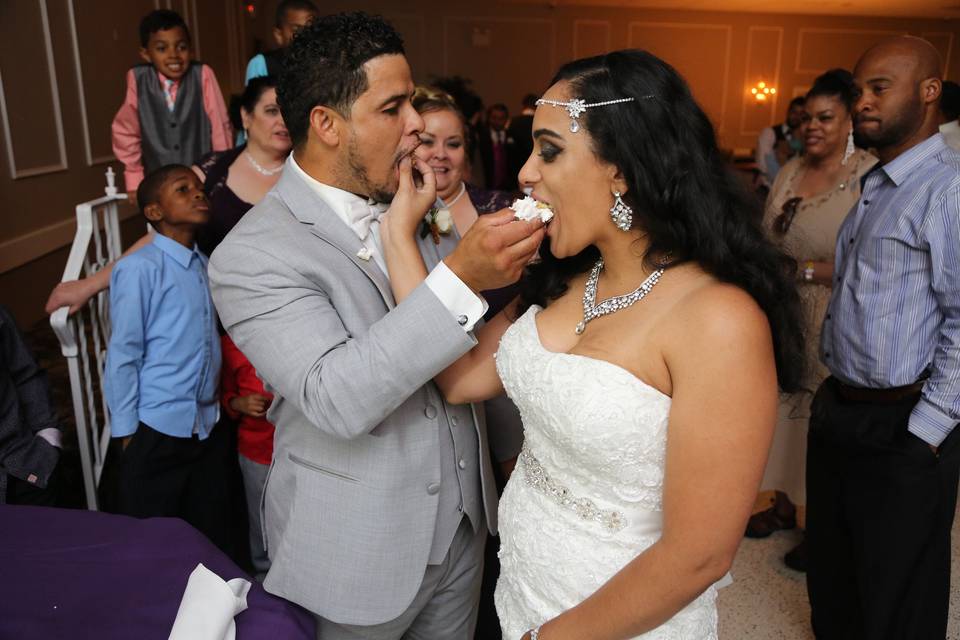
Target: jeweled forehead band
<point>577,106</point>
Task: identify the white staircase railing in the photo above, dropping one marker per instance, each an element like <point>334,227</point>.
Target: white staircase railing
<point>84,335</point>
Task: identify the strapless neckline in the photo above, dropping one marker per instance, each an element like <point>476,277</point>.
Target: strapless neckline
<point>535,330</point>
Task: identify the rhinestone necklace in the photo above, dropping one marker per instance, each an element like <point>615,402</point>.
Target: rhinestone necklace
<point>592,311</point>
<point>256,165</point>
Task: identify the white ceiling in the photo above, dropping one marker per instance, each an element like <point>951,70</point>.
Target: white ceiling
<point>877,8</point>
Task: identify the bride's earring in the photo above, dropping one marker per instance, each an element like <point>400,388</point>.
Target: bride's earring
<point>851,148</point>
<point>621,213</point>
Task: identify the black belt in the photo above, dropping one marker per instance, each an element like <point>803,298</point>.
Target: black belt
<point>891,395</point>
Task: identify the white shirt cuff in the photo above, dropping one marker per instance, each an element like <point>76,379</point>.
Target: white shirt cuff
<point>51,435</point>
<point>459,299</point>
<point>929,423</point>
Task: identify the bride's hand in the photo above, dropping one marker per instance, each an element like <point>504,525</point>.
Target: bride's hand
<point>410,205</point>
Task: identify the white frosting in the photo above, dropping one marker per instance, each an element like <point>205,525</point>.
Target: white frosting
<point>528,209</point>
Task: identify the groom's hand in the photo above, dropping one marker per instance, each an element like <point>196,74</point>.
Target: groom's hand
<point>495,250</point>
<point>413,199</point>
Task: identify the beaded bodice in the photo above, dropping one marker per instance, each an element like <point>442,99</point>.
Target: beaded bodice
<point>586,496</point>
<point>589,421</point>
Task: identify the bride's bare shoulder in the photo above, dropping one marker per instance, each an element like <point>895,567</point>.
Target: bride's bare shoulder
<point>711,311</point>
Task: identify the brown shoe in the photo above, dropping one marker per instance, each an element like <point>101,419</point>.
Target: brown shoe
<point>762,524</point>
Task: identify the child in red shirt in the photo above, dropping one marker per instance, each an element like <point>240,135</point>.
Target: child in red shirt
<point>245,400</point>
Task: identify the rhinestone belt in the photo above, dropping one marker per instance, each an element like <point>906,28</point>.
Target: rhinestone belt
<point>585,508</point>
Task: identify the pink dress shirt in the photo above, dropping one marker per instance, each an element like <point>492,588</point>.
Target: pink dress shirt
<point>125,129</point>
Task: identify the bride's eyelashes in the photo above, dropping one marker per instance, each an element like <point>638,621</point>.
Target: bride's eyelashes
<point>549,152</point>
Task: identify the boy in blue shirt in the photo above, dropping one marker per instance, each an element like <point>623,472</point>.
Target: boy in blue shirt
<point>163,366</point>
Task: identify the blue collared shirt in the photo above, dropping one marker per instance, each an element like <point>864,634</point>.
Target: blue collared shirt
<point>163,360</point>
<point>894,314</point>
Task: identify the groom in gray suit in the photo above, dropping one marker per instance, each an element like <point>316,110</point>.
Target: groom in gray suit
<point>380,493</point>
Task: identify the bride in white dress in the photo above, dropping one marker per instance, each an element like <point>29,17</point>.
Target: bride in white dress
<point>647,419</point>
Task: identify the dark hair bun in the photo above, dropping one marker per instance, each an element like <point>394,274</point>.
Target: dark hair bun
<point>836,83</point>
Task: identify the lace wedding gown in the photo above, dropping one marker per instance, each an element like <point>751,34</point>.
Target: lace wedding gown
<point>586,495</point>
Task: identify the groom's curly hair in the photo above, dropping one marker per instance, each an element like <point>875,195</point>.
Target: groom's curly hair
<point>324,66</point>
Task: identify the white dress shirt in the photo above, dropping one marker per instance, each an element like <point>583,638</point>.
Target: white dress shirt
<point>462,303</point>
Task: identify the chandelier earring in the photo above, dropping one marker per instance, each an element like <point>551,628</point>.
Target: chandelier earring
<point>851,148</point>
<point>621,213</point>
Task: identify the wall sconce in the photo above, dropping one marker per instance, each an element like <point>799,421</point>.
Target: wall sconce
<point>761,92</point>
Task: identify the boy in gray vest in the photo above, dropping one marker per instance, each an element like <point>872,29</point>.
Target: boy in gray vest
<point>173,111</point>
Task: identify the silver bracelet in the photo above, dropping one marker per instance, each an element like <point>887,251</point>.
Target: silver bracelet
<point>535,632</point>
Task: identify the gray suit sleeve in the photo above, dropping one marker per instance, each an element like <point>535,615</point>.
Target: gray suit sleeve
<point>289,329</point>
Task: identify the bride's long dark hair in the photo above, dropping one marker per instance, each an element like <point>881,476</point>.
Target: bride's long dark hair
<point>684,195</point>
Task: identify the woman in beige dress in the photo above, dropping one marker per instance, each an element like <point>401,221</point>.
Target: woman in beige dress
<point>809,200</point>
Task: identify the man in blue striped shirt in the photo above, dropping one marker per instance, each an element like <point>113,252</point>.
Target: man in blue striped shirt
<point>883,458</point>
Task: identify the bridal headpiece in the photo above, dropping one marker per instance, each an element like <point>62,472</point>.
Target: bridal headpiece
<point>576,106</point>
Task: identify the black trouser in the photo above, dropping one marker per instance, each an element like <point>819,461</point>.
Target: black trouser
<point>880,506</point>
<point>189,478</point>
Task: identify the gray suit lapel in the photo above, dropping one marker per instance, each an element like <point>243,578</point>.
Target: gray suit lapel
<point>310,209</point>
<point>433,253</point>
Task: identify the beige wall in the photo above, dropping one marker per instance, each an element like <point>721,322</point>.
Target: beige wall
<point>513,48</point>
<point>62,64</point>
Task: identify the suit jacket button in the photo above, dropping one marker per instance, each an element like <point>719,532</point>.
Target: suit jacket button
<point>430,411</point>
<point>433,488</point>
<point>462,320</point>
<point>462,464</point>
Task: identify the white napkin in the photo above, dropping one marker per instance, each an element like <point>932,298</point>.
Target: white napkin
<point>208,607</point>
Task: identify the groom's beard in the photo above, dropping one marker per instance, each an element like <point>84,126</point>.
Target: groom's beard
<point>382,193</point>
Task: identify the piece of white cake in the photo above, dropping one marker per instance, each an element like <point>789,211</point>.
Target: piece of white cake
<point>529,208</point>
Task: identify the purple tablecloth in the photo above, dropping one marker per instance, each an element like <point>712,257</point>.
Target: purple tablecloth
<point>67,573</point>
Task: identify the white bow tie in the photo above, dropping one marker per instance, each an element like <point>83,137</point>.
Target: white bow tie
<point>361,214</point>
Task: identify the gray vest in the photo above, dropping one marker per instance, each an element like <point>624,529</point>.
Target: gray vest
<point>460,491</point>
<point>181,136</point>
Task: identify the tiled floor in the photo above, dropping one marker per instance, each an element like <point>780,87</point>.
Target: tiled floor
<point>768,601</point>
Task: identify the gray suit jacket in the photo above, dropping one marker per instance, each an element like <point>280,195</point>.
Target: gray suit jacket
<point>351,502</point>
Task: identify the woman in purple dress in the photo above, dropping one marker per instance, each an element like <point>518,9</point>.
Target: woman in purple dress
<point>236,179</point>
